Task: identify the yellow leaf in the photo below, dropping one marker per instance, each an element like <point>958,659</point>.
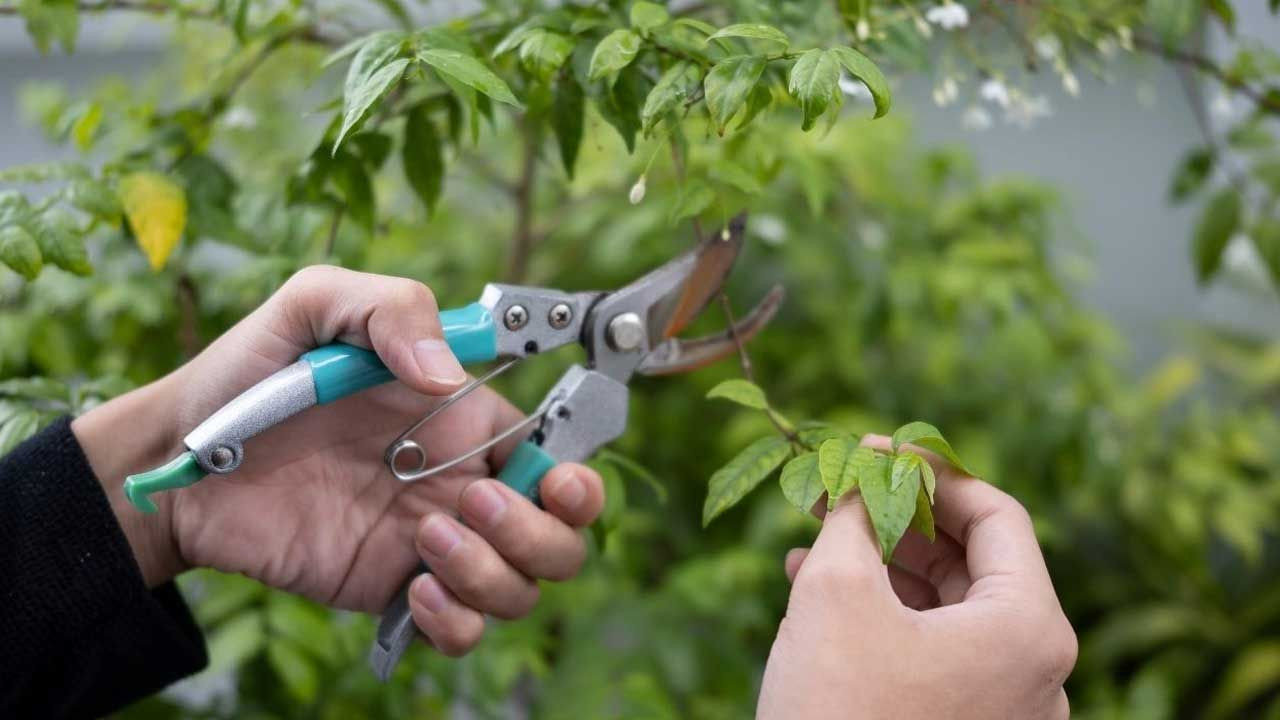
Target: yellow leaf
<point>157,211</point>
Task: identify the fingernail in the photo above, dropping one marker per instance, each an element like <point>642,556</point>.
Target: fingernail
<point>571,492</point>
<point>484,504</point>
<point>437,362</point>
<point>429,593</point>
<point>439,536</point>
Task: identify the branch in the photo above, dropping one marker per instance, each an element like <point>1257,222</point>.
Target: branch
<point>1263,100</point>
<point>522,237</point>
<point>153,8</point>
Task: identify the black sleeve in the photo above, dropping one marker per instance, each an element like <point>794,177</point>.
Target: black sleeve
<point>80,633</point>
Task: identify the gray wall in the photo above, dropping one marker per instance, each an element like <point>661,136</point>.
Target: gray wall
<point>1109,153</point>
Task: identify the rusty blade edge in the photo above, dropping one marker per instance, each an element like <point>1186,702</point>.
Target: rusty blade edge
<point>676,356</point>
<point>716,257</point>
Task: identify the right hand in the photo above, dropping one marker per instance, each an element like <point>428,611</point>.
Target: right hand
<point>966,627</point>
<point>313,510</point>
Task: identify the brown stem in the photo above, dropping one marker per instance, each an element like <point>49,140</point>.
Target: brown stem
<point>522,236</point>
<point>1263,100</point>
<point>332,238</point>
<point>1192,94</point>
<point>188,313</point>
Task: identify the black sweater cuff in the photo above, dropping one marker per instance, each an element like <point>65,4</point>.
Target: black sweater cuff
<point>82,633</point>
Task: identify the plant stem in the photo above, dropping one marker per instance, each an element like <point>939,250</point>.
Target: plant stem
<point>522,236</point>
<point>1263,100</point>
<point>188,309</point>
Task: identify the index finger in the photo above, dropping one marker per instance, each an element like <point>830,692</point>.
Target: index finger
<point>994,529</point>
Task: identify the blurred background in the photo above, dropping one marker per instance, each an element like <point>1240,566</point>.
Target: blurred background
<point>1028,288</point>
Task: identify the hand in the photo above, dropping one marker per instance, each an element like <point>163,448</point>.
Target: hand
<point>966,627</point>
<point>313,510</point>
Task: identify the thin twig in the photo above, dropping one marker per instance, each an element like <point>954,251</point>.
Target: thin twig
<point>1264,101</point>
<point>522,236</point>
<point>332,238</point>
<point>1191,92</point>
<point>188,312</point>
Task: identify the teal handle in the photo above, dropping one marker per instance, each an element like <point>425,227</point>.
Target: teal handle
<point>339,369</point>
<point>525,468</point>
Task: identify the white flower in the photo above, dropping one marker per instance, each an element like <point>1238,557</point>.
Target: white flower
<point>1222,107</point>
<point>946,93</point>
<point>1023,110</point>
<point>995,91</point>
<point>854,88</point>
<point>863,29</point>
<point>1106,47</point>
<point>769,228</point>
<point>637,191</point>
<point>873,235</point>
<point>948,16</point>
<point>1125,36</point>
<point>1071,83</point>
<point>1048,46</point>
<point>923,28</point>
<point>240,117</point>
<point>976,117</point>
<point>1241,258</point>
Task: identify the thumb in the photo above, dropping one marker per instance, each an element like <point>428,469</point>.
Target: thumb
<point>847,556</point>
<point>395,317</point>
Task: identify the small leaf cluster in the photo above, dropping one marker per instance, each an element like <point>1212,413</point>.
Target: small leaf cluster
<point>897,486</point>
<point>27,404</point>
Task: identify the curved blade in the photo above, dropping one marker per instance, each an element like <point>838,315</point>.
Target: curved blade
<point>676,356</point>
<point>715,257</point>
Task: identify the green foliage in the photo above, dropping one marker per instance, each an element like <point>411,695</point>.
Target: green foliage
<point>916,291</point>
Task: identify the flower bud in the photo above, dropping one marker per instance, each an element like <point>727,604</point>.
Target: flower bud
<point>637,191</point>
<point>863,29</point>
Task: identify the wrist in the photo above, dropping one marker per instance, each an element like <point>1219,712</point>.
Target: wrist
<point>128,434</point>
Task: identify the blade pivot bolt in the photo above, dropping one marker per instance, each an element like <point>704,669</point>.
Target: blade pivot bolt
<point>515,317</point>
<point>221,457</point>
<point>559,315</point>
<point>626,332</point>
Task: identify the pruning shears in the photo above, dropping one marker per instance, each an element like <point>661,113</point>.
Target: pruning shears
<point>625,331</point>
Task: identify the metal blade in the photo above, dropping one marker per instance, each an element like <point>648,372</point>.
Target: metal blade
<point>674,355</point>
<point>715,256</point>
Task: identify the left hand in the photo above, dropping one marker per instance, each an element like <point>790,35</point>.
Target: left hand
<point>313,510</point>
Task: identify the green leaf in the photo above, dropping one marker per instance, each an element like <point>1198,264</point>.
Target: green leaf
<point>695,197</point>
<point>620,103</point>
<point>615,501</point>
<point>742,392</point>
<point>928,437</point>
<point>840,461</point>
<point>922,521</point>
<point>1266,238</point>
<point>469,71</point>
<point>19,250</point>
<point>701,26</point>
<point>890,510</point>
<point>1172,19</point>
<point>224,595</point>
<point>742,474</point>
<point>813,435</point>
<point>674,87</point>
<point>20,425</point>
<point>866,72</point>
<point>422,158</point>
<point>759,99</point>
<point>1219,220</point>
<point>307,625</point>
<point>356,189</point>
<point>235,641</point>
<point>753,31</point>
<point>96,199</point>
<point>802,481</point>
<point>568,113</point>
<point>349,49</point>
<point>612,54</point>
<point>930,480</point>
<point>1224,12</point>
<point>62,242</point>
<point>1193,170</point>
<point>728,85</point>
<point>295,669</point>
<point>813,81</point>
<point>543,52</point>
<point>363,91</point>
<point>1253,671</point>
<point>904,465</point>
<point>50,20</point>
<point>646,16</point>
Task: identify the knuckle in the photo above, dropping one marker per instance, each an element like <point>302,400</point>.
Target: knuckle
<point>414,293</point>
<point>831,579</point>
<point>521,603</point>
<point>1061,650</point>
<point>570,560</point>
<point>313,276</point>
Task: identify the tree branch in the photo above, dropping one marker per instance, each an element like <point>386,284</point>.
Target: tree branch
<point>522,237</point>
<point>1265,101</point>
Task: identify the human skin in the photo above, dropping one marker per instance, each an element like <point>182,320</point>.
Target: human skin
<point>966,627</point>
<point>313,510</point>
